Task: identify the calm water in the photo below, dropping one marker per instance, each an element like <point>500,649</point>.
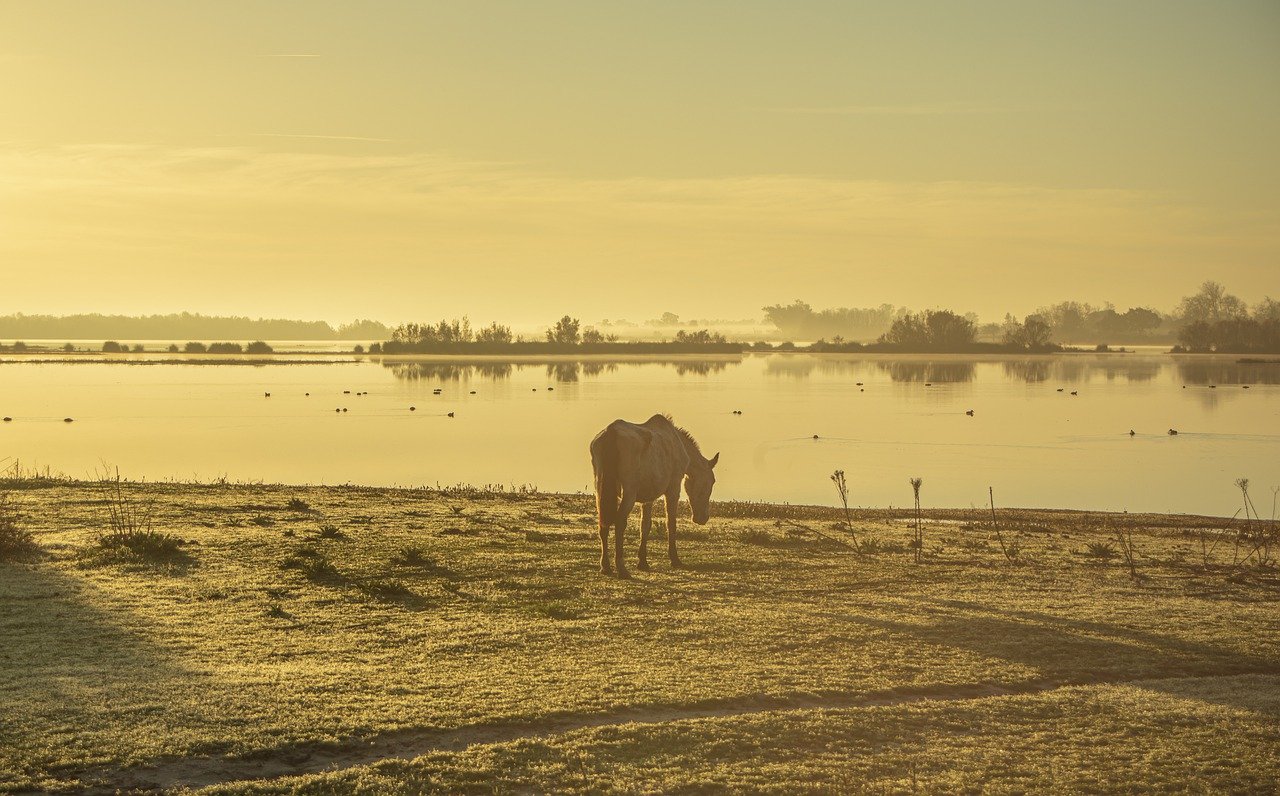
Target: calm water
<point>1037,446</point>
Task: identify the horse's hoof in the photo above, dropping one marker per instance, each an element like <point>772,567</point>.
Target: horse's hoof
<point>605,569</point>
<point>623,574</point>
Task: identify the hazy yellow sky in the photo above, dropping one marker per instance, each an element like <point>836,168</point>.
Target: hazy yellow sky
<point>520,160</point>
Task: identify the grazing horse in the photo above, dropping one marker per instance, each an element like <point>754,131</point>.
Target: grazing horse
<point>639,463</point>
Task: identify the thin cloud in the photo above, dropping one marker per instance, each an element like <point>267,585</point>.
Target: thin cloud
<point>918,109</point>
<point>319,137</point>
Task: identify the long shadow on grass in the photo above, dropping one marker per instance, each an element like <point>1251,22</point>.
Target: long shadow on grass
<point>1066,650</point>
<point>64,661</point>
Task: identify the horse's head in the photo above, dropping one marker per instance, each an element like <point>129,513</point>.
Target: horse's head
<point>698,482</point>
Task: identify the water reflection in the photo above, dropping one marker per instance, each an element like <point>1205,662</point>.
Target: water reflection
<point>560,371</point>
<point>1217,371</point>
<point>1035,371</point>
<point>1032,371</point>
<point>447,371</point>
<point>929,370</point>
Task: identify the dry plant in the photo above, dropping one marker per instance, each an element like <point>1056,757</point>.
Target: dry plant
<point>130,528</point>
<point>842,487</point>
<point>125,515</point>
<point>1010,549</point>
<point>1128,549</point>
<point>1253,535</point>
<point>918,542</point>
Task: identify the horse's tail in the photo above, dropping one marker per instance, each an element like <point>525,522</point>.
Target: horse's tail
<point>604,461</point>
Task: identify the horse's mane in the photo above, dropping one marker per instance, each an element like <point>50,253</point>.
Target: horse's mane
<point>688,438</point>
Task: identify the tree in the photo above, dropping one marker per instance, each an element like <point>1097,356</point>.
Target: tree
<point>1267,310</point>
<point>566,331</point>
<point>1033,333</point>
<point>700,337</point>
<point>1196,336</point>
<point>1211,304</point>
<point>932,329</point>
<point>494,333</point>
<point>1141,320</point>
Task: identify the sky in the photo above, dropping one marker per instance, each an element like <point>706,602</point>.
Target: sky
<point>518,160</point>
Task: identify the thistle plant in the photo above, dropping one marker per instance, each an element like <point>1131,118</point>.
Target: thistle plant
<point>919,540</point>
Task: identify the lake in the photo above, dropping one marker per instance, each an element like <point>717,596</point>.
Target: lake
<point>529,422</point>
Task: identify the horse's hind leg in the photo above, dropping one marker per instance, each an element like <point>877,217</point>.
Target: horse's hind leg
<point>646,522</point>
<point>620,525</point>
<point>604,547</point>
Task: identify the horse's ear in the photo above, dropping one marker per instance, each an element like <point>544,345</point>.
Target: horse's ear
<point>714,460</point>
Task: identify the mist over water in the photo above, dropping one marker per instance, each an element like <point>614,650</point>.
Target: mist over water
<point>530,423</point>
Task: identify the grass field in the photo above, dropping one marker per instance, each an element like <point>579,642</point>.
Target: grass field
<point>337,640</point>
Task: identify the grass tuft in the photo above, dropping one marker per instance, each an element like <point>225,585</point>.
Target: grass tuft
<point>16,542</point>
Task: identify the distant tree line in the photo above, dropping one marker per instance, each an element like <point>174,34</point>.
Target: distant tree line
<point>944,331</point>
<point>799,321</point>
<point>194,347</point>
<point>566,335</point>
<point>181,326</point>
<point>1210,320</point>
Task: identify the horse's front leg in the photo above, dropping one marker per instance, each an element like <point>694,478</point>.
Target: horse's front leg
<point>624,511</point>
<point>673,505</point>
<point>646,523</point>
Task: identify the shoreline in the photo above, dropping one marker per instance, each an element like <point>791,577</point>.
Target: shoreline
<point>723,509</point>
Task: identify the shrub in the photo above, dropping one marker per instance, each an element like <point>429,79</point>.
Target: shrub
<point>392,591</point>
<point>112,347</point>
<point>1103,550</point>
<point>173,348</point>
<point>298,504</point>
<point>195,348</point>
<point>314,568</point>
<point>137,348</point>
<point>225,348</point>
<point>148,545</point>
<point>259,347</point>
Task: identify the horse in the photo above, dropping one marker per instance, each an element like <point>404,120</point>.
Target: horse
<point>639,463</point>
